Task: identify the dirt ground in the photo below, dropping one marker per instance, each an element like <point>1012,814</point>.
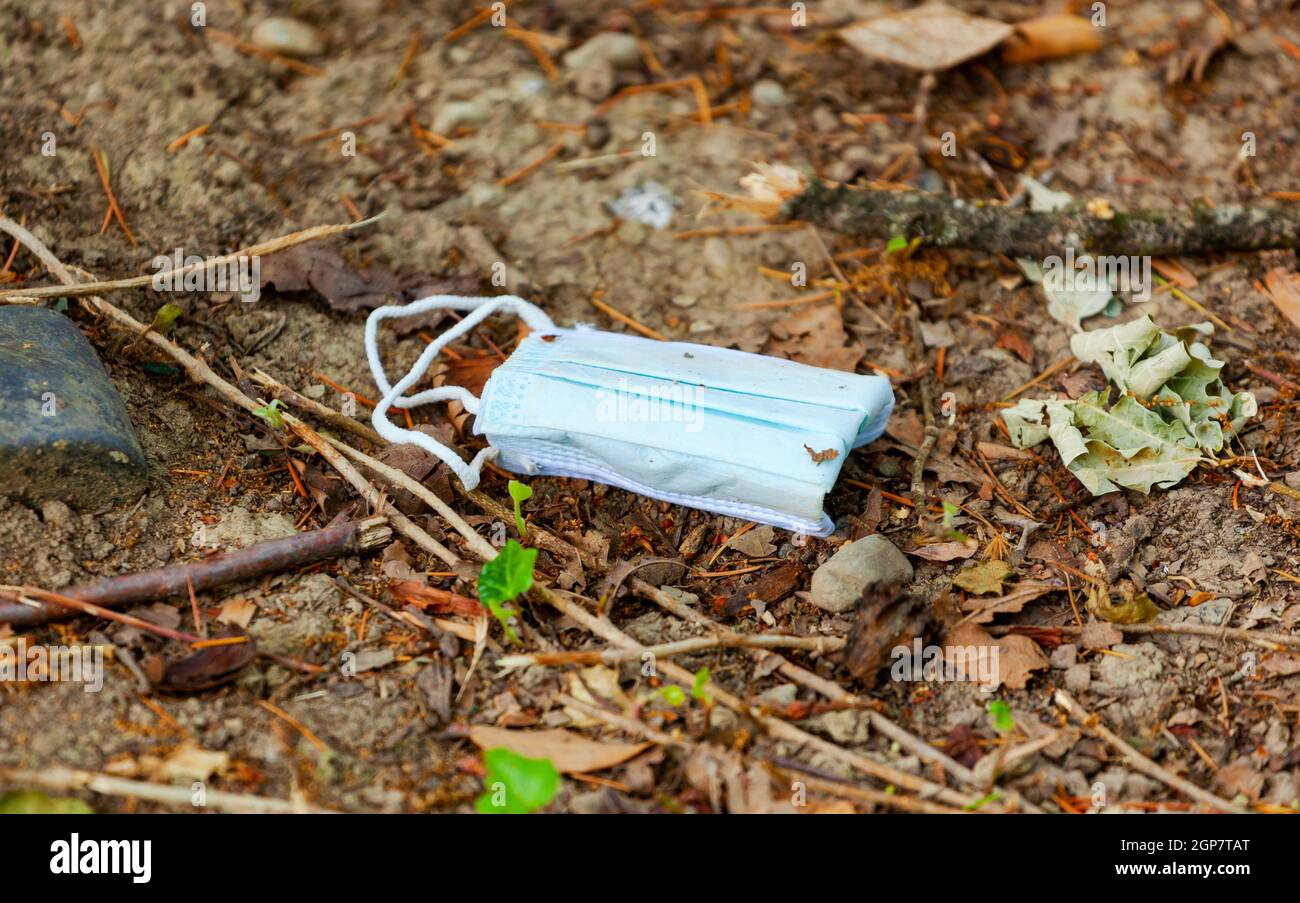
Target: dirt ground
<point>130,79</point>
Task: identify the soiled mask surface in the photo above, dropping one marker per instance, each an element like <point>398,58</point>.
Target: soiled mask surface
<point>745,435</point>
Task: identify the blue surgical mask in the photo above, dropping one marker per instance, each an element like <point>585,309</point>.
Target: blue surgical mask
<point>744,435</point>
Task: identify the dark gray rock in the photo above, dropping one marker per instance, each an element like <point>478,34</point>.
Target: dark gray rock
<point>64,433</point>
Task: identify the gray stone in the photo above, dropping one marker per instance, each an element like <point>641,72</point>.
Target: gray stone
<point>767,93</point>
<point>1065,656</point>
<point>869,563</point>
<point>1135,664</point>
<point>1078,678</point>
<point>850,727</point>
<point>64,433</point>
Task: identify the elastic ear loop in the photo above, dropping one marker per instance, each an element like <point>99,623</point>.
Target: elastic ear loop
<point>480,309</point>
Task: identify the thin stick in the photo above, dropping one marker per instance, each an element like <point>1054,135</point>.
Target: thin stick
<point>481,546</point>
<point>1136,760</point>
<point>255,561</point>
<point>863,794</point>
<point>373,496</point>
<point>623,318</point>
<point>833,691</point>
<point>775,727</point>
<point>680,647</point>
<point>72,289</point>
<point>316,409</point>
<point>530,167</point>
<point>1263,638</point>
<point>61,779</point>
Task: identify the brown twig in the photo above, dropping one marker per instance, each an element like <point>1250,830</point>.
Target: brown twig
<point>946,222</point>
<point>263,558</point>
<point>62,779</point>
<point>1093,725</point>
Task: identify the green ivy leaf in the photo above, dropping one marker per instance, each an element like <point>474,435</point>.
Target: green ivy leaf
<point>1000,716</point>
<point>271,413</point>
<point>34,802</point>
<point>502,579</point>
<point>515,784</point>
<point>520,493</point>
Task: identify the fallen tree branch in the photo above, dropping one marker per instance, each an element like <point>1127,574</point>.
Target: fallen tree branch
<point>1093,725</point>
<point>268,557</point>
<point>61,779</point>
<point>83,289</point>
<point>945,222</point>
<point>681,647</point>
<point>1263,638</point>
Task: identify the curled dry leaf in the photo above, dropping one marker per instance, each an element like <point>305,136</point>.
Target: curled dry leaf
<point>430,598</point>
<point>208,668</point>
<point>1009,660</point>
<point>569,752</point>
<point>1050,37</point>
<point>930,38</point>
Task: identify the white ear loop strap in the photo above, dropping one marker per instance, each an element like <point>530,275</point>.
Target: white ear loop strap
<point>480,309</point>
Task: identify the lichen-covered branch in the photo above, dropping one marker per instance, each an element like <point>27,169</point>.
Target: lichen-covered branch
<point>946,222</point>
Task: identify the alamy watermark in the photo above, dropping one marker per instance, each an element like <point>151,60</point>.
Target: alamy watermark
<point>940,664</point>
<point>180,273</point>
<point>1093,273</point>
<point>636,403</point>
<point>53,664</point>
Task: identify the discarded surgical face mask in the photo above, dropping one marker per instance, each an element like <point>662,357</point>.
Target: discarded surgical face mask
<point>744,435</point>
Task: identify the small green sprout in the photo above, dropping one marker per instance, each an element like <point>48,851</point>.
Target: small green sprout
<point>697,688</point>
<point>671,694</point>
<point>983,801</point>
<point>271,413</point>
<point>520,493</point>
<point>515,784</point>
<point>1000,716</point>
<point>949,512</point>
<point>503,579</point>
<point>896,244</point>
<point>165,317</point>
<point>34,802</point>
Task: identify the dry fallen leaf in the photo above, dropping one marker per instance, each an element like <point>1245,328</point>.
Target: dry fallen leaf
<point>983,610</point>
<point>1283,289</point>
<point>815,336</point>
<point>237,612</point>
<point>930,38</point>
<point>190,762</point>
<point>1050,37</point>
<point>1016,656</point>
<point>569,752</point>
<point>1099,635</point>
<point>945,551</point>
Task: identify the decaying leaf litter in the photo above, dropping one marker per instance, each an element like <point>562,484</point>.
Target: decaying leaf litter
<point>481,152</point>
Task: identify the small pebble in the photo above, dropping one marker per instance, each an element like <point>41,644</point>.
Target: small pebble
<point>280,34</point>
<point>614,48</point>
<point>767,93</point>
<point>458,113</point>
